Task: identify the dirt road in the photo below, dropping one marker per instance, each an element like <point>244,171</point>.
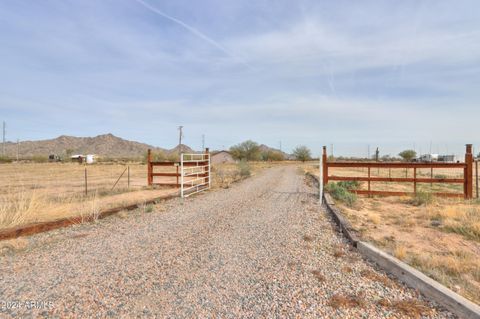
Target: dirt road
<point>262,248</point>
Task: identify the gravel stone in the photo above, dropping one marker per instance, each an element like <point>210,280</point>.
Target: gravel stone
<point>262,248</point>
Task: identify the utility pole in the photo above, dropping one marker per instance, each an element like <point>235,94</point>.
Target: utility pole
<point>368,151</point>
<point>3,145</point>
<point>18,148</point>
<point>280,146</point>
<point>331,150</point>
<point>203,142</point>
<point>180,129</point>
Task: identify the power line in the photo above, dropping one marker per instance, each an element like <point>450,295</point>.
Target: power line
<point>180,129</point>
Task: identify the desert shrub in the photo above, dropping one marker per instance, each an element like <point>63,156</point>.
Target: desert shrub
<point>148,208</point>
<point>341,193</point>
<point>272,156</point>
<point>248,150</point>
<point>244,168</point>
<point>173,157</point>
<point>440,176</point>
<point>39,159</point>
<point>467,224</point>
<point>302,153</point>
<point>408,155</point>
<point>221,177</point>
<point>160,156</point>
<point>350,185</point>
<point>421,198</point>
<point>5,159</point>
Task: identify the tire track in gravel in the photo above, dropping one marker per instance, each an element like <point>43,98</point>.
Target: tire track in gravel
<point>248,251</point>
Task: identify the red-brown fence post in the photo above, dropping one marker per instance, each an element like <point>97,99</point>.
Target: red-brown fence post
<point>369,187</point>
<point>468,172</point>
<point>149,167</point>
<point>325,166</point>
<point>476,176</point>
<point>415,180</point>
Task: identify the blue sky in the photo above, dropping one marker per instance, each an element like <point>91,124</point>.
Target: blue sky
<point>394,74</point>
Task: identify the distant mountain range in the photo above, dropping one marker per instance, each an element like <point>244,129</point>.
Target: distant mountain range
<point>107,145</point>
<point>266,148</point>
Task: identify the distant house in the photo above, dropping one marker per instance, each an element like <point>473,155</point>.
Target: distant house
<point>436,158</point>
<point>54,158</point>
<point>90,158</point>
<point>428,158</point>
<point>77,158</point>
<point>222,157</point>
<point>447,158</point>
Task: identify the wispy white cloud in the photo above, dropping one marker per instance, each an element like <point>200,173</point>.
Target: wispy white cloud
<point>196,32</point>
<point>323,72</point>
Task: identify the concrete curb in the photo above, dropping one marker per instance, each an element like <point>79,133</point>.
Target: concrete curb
<point>413,278</point>
<point>35,228</point>
<point>344,225</point>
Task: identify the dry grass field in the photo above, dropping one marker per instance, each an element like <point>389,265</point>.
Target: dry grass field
<point>40,192</point>
<point>43,192</point>
<point>439,236</point>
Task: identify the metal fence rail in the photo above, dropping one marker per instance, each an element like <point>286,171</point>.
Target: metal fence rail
<point>444,179</point>
<point>194,173</point>
<point>191,174</point>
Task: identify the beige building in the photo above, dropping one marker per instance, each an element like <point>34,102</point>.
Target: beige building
<point>222,157</point>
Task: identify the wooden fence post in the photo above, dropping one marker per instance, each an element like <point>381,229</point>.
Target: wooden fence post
<point>369,187</point>
<point>476,175</point>
<point>431,176</point>
<point>150,170</point>
<point>415,180</point>
<point>468,172</point>
<point>86,182</point>
<point>325,166</point>
<point>178,182</point>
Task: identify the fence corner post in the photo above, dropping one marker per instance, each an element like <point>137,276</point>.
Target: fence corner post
<point>181,176</point>
<point>468,172</point>
<point>325,166</point>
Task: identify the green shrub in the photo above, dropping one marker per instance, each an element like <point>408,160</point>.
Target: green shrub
<point>350,185</point>
<point>440,176</point>
<point>5,159</point>
<point>421,198</point>
<point>248,150</point>
<point>148,208</point>
<point>302,153</point>
<point>244,168</point>
<point>271,156</point>
<point>341,193</point>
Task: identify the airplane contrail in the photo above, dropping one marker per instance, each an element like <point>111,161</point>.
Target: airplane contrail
<point>195,32</point>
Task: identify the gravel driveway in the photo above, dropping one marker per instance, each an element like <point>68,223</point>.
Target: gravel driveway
<point>262,248</point>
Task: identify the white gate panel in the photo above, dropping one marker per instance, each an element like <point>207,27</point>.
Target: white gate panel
<point>195,173</point>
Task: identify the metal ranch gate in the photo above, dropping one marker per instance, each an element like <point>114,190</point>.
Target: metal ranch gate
<point>423,173</point>
<point>191,174</point>
<point>195,173</point>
